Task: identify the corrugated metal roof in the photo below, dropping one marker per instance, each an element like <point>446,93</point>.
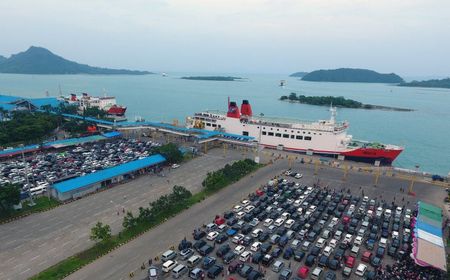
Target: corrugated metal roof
<point>106,174</point>
<point>112,134</point>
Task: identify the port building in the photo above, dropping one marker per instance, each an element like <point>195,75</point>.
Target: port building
<point>83,185</point>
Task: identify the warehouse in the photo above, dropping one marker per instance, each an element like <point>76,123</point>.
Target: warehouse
<point>80,186</point>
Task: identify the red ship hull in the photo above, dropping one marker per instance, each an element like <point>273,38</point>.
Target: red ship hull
<point>117,110</point>
<point>385,156</point>
<point>368,155</point>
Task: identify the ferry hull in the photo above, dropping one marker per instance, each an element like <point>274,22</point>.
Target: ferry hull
<point>367,155</point>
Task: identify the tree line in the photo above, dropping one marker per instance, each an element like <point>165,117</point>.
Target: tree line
<point>324,101</point>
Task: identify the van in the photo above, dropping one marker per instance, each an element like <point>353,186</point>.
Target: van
<point>196,273</point>
<point>168,265</point>
<point>193,261</point>
<point>179,271</point>
<point>277,266</point>
<point>168,255</point>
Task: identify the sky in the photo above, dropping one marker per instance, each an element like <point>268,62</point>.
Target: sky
<point>407,37</point>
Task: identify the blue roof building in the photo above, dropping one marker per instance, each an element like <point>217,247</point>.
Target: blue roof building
<point>80,186</point>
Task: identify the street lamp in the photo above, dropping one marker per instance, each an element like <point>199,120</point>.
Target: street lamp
<point>26,178</point>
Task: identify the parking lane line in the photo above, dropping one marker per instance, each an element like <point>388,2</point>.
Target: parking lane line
<point>33,258</point>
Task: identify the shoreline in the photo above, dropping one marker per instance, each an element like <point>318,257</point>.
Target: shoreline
<point>364,106</point>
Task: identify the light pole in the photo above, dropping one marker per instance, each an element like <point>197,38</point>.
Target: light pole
<point>26,178</point>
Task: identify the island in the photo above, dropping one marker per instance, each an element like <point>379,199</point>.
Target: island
<point>298,74</point>
<point>351,75</point>
<point>37,60</point>
<point>213,78</point>
<point>442,83</point>
<point>338,102</point>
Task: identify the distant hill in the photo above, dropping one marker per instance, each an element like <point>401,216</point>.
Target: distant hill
<point>2,58</point>
<point>37,60</point>
<point>213,78</point>
<point>298,74</point>
<point>443,83</point>
<point>351,75</point>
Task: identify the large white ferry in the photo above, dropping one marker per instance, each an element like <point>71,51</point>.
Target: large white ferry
<point>325,137</point>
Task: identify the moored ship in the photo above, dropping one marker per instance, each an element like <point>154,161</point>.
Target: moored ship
<point>324,137</point>
<point>106,103</point>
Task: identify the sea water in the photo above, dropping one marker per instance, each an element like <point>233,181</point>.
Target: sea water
<point>425,132</point>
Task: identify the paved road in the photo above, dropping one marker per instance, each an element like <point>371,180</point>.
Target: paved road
<point>31,244</point>
<point>121,262</point>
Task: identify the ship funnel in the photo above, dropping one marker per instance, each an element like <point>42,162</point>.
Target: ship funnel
<point>233,110</point>
<point>246,109</point>
<point>73,97</point>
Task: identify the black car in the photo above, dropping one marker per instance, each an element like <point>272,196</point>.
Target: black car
<point>339,254</point>
<point>257,257</point>
<point>205,250</point>
<point>288,253</point>
<point>310,260</point>
<point>247,240</point>
<point>334,264</point>
<point>199,244</point>
<point>232,221</point>
<point>215,271</point>
<point>276,252</point>
<point>315,251</point>
<point>198,234</point>
<point>208,262</point>
<point>267,260</point>
<point>392,251</point>
<point>245,270</point>
<point>223,250</point>
<point>323,261</point>
<point>265,247</point>
<point>375,262</point>
<point>281,231</point>
<point>228,214</point>
<point>299,255</point>
<point>330,275</point>
<point>263,236</point>
<point>380,252</point>
<point>221,238</point>
<point>229,257</point>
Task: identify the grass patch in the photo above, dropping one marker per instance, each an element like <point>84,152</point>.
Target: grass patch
<point>217,180</point>
<point>42,204</point>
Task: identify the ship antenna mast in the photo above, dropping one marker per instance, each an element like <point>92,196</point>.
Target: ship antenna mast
<point>333,114</point>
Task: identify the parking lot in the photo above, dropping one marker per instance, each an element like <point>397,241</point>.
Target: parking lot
<point>45,168</point>
<point>292,229</point>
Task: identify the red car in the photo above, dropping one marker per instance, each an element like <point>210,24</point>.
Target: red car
<point>303,272</point>
<point>366,256</point>
<point>350,261</point>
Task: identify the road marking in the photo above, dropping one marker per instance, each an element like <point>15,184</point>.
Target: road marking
<point>33,258</point>
<point>10,259</point>
<point>20,246</point>
<point>42,245</point>
<point>24,271</point>
<point>12,241</point>
<point>41,263</point>
<point>64,244</point>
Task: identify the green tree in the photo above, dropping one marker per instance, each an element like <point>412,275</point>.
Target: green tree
<point>100,232</point>
<point>171,152</point>
<point>9,196</point>
<point>129,221</point>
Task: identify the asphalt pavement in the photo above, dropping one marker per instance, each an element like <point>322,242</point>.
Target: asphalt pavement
<point>34,243</point>
<point>128,258</point>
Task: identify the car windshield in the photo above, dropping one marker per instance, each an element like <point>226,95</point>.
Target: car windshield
<point>153,272</point>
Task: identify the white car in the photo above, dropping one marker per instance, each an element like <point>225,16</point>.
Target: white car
<point>257,232</point>
<point>174,166</point>
<point>268,222</point>
<point>245,256</point>
<point>383,242</point>
<point>249,208</point>
<point>289,223</point>
<point>245,202</point>
<point>237,208</point>
<point>279,222</point>
<point>288,173</point>
<point>395,235</point>
<point>298,175</point>
<point>212,235</point>
<point>240,215</point>
<point>255,246</point>
<point>361,269</point>
<point>338,235</point>
<point>238,238</point>
<point>348,238</point>
<point>297,203</point>
<point>239,249</point>
<point>321,243</point>
<point>358,240</point>
<point>333,243</point>
<point>327,251</point>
